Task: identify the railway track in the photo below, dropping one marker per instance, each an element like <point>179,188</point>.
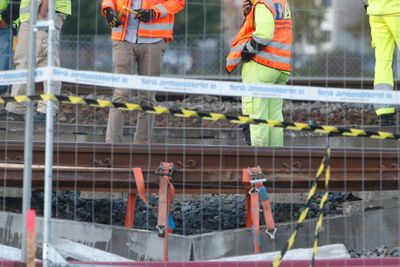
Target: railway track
<point>200,169</point>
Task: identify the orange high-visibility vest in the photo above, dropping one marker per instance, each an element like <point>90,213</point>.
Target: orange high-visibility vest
<point>160,27</point>
<point>277,52</point>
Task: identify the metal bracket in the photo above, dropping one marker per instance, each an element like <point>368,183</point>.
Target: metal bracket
<point>165,169</point>
<point>271,233</point>
<point>161,230</point>
<point>256,175</point>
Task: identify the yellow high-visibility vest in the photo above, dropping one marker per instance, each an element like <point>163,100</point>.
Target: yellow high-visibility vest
<point>383,7</point>
<point>63,6</point>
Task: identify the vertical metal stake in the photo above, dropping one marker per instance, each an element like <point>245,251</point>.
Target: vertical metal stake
<point>49,136</point>
<point>26,198</point>
<point>398,63</point>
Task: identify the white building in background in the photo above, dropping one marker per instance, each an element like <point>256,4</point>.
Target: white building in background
<point>340,16</point>
<point>232,18</point>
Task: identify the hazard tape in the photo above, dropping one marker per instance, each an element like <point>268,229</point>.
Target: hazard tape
<point>204,87</point>
<point>303,215</point>
<point>322,204</point>
<point>213,116</point>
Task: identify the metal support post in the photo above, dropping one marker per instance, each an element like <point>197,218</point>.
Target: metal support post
<point>49,137</point>
<point>26,202</point>
<point>398,63</point>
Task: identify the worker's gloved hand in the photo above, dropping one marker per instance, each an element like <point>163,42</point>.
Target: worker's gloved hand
<point>112,17</point>
<point>246,7</point>
<point>250,50</point>
<point>247,55</point>
<point>145,15</point>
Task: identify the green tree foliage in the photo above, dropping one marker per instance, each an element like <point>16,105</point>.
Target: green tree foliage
<point>307,17</point>
<point>86,19</point>
<point>199,16</point>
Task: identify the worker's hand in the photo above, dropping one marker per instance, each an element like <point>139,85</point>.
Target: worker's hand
<point>247,55</point>
<point>251,49</point>
<point>145,15</point>
<point>112,17</point>
<point>246,7</point>
<point>3,24</point>
<point>44,9</point>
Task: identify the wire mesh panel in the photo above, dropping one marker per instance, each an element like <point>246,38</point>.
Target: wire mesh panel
<point>192,191</point>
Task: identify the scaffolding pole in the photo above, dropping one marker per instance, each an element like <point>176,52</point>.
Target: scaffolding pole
<point>50,111</point>
<point>27,183</point>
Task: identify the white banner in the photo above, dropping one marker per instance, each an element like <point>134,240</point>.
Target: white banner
<point>21,76</point>
<point>206,87</point>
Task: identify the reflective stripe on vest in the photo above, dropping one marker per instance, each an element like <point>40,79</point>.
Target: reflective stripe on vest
<point>63,6</point>
<point>163,10</point>
<point>277,52</point>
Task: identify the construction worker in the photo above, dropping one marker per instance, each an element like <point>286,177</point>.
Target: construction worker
<point>263,45</point>
<point>384,19</point>
<point>16,111</point>
<point>139,36</point>
<point>9,13</point>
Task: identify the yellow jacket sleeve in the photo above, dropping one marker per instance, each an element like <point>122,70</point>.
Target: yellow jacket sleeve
<point>264,22</point>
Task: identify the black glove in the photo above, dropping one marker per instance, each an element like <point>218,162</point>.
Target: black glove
<point>145,15</point>
<point>250,50</point>
<point>112,17</point>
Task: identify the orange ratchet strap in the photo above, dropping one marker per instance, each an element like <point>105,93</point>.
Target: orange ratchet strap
<point>165,197</point>
<point>253,179</point>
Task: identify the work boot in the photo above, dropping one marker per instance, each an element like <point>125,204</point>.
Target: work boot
<point>11,116</point>
<point>246,133</point>
<point>387,120</point>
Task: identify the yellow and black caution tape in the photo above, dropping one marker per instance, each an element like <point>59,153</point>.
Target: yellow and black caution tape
<point>188,113</point>
<point>303,215</point>
<point>324,200</point>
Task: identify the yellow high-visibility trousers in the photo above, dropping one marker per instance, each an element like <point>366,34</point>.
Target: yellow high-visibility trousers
<point>385,32</point>
<point>263,108</point>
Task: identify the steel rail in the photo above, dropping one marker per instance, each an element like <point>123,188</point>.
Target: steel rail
<point>206,169</point>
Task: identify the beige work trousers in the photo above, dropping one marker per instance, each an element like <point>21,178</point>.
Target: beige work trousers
<point>147,59</point>
<point>21,58</point>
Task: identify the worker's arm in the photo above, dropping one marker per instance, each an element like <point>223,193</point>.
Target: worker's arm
<point>169,7</point>
<point>264,23</point>
<point>44,8</point>
<point>265,26</point>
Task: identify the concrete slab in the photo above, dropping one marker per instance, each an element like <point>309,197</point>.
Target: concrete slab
<point>10,253</point>
<point>335,251</point>
<point>12,192</point>
<point>129,243</point>
<point>376,195</point>
<point>364,230</point>
<point>368,205</point>
<point>77,251</point>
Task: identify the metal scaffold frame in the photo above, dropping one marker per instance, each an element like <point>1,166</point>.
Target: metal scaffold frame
<point>49,254</point>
